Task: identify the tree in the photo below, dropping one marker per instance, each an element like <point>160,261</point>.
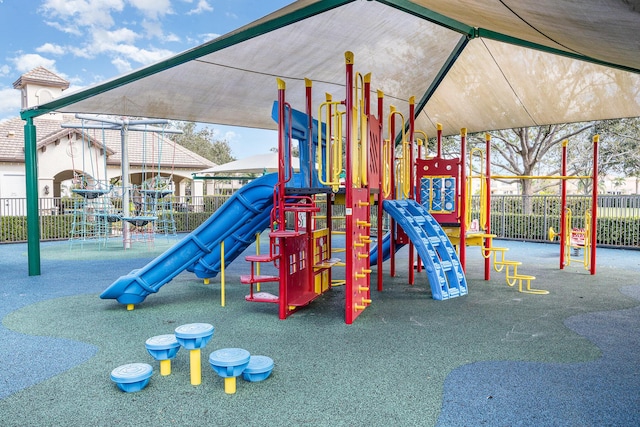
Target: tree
<point>618,151</point>
<point>202,142</point>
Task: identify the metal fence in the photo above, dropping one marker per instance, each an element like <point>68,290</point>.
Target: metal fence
<point>525,218</point>
<point>529,218</point>
<point>59,216</point>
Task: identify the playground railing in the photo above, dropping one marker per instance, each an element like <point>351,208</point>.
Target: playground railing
<point>529,218</point>
<point>526,218</point>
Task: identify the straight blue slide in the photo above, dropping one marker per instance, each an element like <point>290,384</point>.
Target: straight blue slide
<point>236,222</point>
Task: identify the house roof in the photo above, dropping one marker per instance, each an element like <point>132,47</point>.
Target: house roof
<point>480,65</point>
<point>145,148</point>
<point>41,75</point>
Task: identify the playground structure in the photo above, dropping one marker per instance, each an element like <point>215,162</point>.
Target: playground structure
<point>355,167</point>
<point>344,159</point>
<point>573,239</point>
<point>445,191</point>
<point>144,210</point>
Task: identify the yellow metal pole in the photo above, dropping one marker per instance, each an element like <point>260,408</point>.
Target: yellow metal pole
<point>196,368</point>
<point>230,385</point>
<point>165,367</point>
<point>258,264</point>
<point>222,273</point>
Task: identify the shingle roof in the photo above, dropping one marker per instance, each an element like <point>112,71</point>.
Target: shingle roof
<point>145,148</point>
<point>41,75</point>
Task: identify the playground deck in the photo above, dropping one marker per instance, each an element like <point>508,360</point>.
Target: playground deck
<point>494,357</point>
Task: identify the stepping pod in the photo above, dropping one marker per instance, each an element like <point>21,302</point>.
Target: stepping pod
<point>258,369</point>
<point>194,336</point>
<point>163,348</point>
<point>229,363</point>
<point>132,377</point>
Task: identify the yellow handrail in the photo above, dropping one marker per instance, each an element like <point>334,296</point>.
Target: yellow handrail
<point>422,142</point>
<point>586,235</point>
<point>359,152</point>
<point>386,167</point>
<point>332,143</point>
<point>403,180</point>
<point>479,153</point>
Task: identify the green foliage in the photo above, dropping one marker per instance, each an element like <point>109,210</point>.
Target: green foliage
<point>619,147</point>
<point>54,227</point>
<point>212,203</point>
<point>202,142</point>
<point>13,228</point>
<point>189,221</point>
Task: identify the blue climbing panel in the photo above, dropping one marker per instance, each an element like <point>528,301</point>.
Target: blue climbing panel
<point>438,255</point>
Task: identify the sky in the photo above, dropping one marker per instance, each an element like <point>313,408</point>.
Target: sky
<point>90,41</point>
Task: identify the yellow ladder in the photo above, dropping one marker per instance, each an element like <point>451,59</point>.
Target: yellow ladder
<point>511,270</point>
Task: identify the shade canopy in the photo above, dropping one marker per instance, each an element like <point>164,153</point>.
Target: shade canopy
<point>258,164</point>
<point>494,64</point>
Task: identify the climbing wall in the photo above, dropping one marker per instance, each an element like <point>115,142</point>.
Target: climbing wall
<point>357,254</point>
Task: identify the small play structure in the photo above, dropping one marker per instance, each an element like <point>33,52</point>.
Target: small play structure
<point>143,210</point>
<point>575,239</point>
<point>344,160</point>
<point>228,363</point>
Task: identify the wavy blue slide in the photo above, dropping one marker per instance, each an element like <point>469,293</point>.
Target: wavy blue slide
<point>442,266</point>
<point>236,223</point>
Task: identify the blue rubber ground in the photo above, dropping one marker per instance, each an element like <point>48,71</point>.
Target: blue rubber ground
<point>495,357</point>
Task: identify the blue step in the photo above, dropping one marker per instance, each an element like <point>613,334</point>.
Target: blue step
<point>442,266</point>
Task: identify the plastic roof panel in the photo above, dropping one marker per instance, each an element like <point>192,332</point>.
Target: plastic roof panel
<point>507,75</point>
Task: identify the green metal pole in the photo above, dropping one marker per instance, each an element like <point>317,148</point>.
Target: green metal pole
<point>33,220</point>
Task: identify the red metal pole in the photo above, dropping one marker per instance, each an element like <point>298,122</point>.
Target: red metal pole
<point>412,130</point>
<point>281,137</point>
<point>439,140</point>
<point>463,199</point>
<point>563,205</point>
<point>350,248</point>
<point>594,205</point>
<point>487,241</point>
<point>308,93</point>
<point>392,178</point>
<point>412,111</point>
<point>380,190</point>
<point>366,96</point>
<point>282,305</point>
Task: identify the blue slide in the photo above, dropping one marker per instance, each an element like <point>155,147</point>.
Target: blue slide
<point>443,268</point>
<point>386,250</point>
<point>236,223</point>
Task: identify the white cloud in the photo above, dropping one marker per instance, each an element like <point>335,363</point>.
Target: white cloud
<point>171,38</point>
<point>122,65</point>
<point>86,13</point>
<point>202,6</point>
<point>222,135</point>
<point>29,61</point>
<point>51,48</point>
<point>121,35</point>
<point>9,103</point>
<point>5,70</point>
<point>152,9</point>
<point>153,29</point>
<point>208,36</point>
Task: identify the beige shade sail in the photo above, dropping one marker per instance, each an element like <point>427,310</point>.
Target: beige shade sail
<point>480,65</point>
<point>483,65</point>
